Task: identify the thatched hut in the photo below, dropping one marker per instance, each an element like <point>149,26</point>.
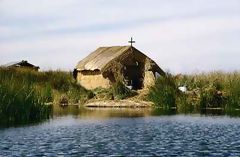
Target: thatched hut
<point>106,65</point>
<point>21,64</point>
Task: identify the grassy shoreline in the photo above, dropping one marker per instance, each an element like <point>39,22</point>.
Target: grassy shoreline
<point>24,94</point>
<point>204,91</point>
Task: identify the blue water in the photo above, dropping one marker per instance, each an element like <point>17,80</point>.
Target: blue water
<point>176,135</point>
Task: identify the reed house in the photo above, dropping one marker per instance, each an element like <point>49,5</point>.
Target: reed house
<point>22,64</point>
<point>107,65</point>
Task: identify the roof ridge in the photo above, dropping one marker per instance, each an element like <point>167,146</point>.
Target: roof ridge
<point>100,57</point>
<point>113,46</point>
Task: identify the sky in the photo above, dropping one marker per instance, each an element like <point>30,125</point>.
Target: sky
<point>182,36</point>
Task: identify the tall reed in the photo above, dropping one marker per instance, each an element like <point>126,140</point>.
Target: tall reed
<point>215,90</point>
<point>164,93</point>
<point>20,101</point>
<point>24,94</point>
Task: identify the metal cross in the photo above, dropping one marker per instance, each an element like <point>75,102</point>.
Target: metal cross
<point>131,41</point>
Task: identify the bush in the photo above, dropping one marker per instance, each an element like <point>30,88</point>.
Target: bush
<point>103,94</point>
<point>164,92</point>
<point>77,93</point>
<point>120,91</point>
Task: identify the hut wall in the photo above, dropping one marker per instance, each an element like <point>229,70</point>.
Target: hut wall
<point>92,80</point>
<point>149,79</point>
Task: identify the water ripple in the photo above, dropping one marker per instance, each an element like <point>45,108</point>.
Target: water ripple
<point>148,136</point>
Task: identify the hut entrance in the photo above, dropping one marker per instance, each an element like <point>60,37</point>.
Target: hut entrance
<point>133,75</point>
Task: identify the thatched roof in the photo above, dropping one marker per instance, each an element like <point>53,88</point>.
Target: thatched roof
<point>101,57</point>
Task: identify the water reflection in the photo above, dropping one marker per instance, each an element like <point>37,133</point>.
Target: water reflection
<point>101,112</point>
<point>220,112</point>
<point>177,135</point>
<point>82,112</point>
<point>78,131</point>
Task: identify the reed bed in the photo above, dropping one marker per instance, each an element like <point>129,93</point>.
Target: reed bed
<point>164,93</point>
<point>215,90</point>
<point>24,94</point>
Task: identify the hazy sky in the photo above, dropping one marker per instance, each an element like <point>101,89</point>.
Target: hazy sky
<point>180,35</point>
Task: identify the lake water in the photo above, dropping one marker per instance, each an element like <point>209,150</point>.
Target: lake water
<point>124,132</point>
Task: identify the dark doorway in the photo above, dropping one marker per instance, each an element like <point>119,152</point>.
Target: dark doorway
<point>133,75</point>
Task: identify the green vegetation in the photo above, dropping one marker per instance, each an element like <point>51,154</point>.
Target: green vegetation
<point>120,91</point>
<point>216,90</point>
<point>164,93</point>
<point>24,94</point>
<point>117,92</point>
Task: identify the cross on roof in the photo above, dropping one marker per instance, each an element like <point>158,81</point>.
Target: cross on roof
<point>131,41</point>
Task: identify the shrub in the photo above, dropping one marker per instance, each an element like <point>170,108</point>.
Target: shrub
<point>103,94</point>
<point>164,92</point>
<point>77,93</point>
<point>120,91</point>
